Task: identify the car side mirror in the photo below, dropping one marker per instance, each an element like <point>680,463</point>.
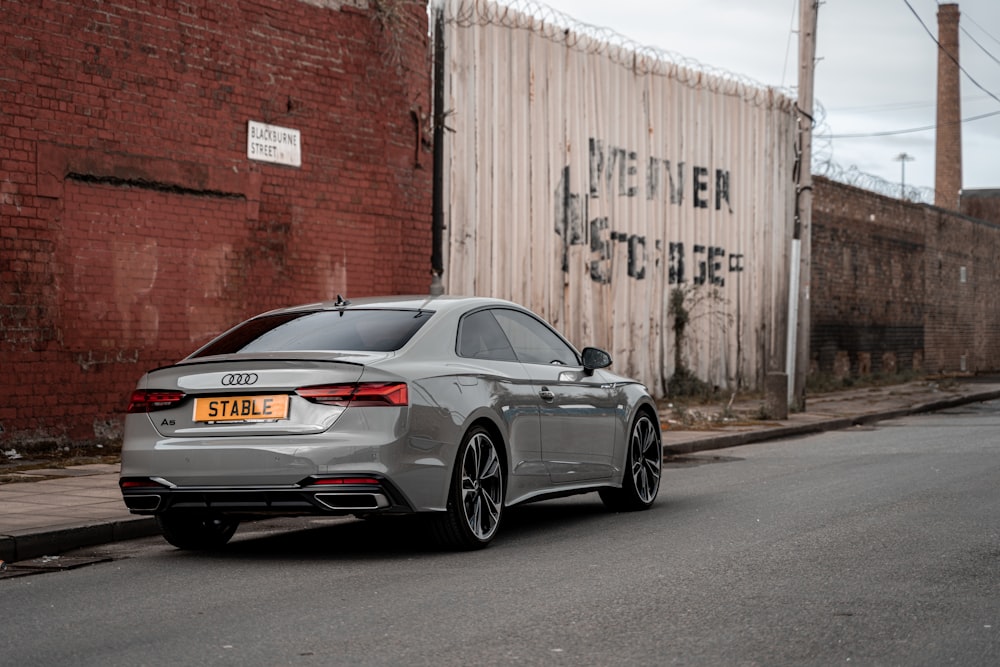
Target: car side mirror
<point>594,358</point>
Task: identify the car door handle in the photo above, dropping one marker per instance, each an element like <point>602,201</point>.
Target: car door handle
<point>546,394</point>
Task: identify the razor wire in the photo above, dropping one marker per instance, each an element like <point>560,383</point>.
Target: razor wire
<point>824,165</point>
<point>859,179</point>
<point>558,27</point>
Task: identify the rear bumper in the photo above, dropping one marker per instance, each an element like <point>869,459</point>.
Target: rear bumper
<point>156,496</point>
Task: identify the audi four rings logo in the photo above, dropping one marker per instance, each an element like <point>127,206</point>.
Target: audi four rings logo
<point>231,379</point>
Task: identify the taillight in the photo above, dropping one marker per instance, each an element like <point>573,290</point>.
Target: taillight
<point>139,483</point>
<point>151,400</point>
<point>344,480</point>
<point>361,394</point>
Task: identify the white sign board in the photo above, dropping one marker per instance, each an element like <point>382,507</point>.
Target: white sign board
<point>270,143</point>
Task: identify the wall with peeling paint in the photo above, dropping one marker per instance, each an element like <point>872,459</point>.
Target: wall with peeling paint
<point>589,181</point>
<point>132,225</point>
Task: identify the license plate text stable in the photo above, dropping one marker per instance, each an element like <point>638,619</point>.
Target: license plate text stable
<point>241,408</point>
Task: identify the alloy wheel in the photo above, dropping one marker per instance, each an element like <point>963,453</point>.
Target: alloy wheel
<point>645,457</point>
<point>482,486</point>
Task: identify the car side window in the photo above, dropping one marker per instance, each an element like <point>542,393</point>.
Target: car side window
<point>480,337</point>
<point>533,341</point>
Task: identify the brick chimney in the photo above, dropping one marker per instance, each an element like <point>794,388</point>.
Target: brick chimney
<point>948,143</point>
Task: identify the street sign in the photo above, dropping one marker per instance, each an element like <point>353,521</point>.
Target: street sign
<point>271,143</point>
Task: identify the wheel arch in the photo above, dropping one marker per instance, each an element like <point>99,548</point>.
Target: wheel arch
<point>649,409</point>
<point>497,434</point>
<point>642,405</point>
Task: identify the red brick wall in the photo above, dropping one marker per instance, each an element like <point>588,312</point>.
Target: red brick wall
<point>132,224</point>
<point>963,289</point>
<point>887,291</point>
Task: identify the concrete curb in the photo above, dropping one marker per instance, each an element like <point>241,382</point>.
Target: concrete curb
<point>726,440</point>
<point>24,545</point>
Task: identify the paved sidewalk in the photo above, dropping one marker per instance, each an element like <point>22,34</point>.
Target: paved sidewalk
<point>65,509</point>
<point>832,411</point>
<point>81,506</point>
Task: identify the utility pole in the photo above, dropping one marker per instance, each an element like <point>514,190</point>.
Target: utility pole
<point>799,325</point>
<point>903,158</point>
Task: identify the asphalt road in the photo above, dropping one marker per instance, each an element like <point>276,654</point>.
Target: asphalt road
<point>873,546</point>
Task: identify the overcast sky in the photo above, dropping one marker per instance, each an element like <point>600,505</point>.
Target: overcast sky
<point>877,69</point>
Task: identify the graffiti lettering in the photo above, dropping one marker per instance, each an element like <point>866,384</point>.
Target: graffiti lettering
<point>709,268</point>
<point>722,190</point>
<point>636,256</point>
<point>653,180</point>
<point>620,170</point>
<point>614,172</point>
<point>700,187</point>
<point>602,251</point>
<point>708,260</point>
<point>675,273</point>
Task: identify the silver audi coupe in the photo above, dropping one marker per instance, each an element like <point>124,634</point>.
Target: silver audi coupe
<point>453,408</point>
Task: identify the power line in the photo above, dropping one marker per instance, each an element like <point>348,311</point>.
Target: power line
<point>889,133</point>
<point>788,44</point>
<point>985,31</point>
<point>900,106</point>
<point>985,50</point>
<point>957,64</point>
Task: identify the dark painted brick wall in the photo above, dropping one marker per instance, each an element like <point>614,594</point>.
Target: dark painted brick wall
<point>132,224</point>
<point>899,286</point>
<point>983,204</point>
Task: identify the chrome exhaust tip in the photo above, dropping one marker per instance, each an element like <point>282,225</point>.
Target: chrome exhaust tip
<point>352,501</point>
<point>144,503</point>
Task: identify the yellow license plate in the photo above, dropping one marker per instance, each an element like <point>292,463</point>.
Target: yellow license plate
<point>241,408</point>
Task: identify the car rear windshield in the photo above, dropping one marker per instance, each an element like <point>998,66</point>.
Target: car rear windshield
<point>325,330</point>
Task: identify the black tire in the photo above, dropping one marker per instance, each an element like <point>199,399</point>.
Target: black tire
<point>476,495</point>
<point>644,464</point>
<point>196,532</point>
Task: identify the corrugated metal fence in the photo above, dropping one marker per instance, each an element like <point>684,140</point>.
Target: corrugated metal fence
<point>590,180</point>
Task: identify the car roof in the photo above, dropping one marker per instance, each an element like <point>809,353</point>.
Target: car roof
<point>442,303</point>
